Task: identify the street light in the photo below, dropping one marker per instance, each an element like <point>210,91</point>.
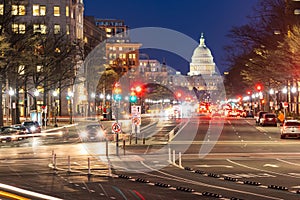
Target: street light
<point>36,93</point>
<point>55,106</point>
<point>11,93</point>
<point>70,96</point>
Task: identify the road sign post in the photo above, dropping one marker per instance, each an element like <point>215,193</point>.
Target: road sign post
<point>116,128</point>
<point>136,120</point>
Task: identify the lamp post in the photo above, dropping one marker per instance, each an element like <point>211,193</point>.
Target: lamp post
<point>101,96</point>
<point>55,108</point>
<point>36,93</point>
<point>70,95</point>
<point>12,105</point>
<point>93,104</point>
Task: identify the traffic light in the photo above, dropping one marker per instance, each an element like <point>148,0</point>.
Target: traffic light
<point>138,89</point>
<point>117,96</point>
<point>133,98</point>
<point>258,87</point>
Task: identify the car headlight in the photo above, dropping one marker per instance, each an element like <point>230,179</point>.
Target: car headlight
<point>83,134</point>
<point>101,133</point>
<point>32,128</point>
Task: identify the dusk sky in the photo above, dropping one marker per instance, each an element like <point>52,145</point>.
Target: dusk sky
<point>191,17</point>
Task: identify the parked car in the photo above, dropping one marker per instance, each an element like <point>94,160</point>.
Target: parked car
<point>259,116</point>
<point>290,128</point>
<point>93,132</point>
<point>32,126</point>
<point>8,134</point>
<point>268,119</point>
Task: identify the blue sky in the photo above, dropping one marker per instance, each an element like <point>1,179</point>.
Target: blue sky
<point>191,17</point>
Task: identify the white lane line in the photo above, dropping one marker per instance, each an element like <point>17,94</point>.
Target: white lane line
<point>206,166</point>
<point>271,172</point>
<point>180,179</point>
<point>287,162</point>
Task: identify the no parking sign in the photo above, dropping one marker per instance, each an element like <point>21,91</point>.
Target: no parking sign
<point>116,128</point>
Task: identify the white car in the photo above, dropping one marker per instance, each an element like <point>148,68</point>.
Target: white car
<point>290,128</point>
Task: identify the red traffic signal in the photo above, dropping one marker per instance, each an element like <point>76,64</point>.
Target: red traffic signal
<point>258,87</point>
<point>138,89</point>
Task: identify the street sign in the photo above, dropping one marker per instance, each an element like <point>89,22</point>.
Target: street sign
<point>136,120</point>
<point>136,110</point>
<point>285,104</point>
<point>116,128</point>
<point>44,109</point>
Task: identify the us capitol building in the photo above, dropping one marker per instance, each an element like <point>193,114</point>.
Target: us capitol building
<point>201,78</point>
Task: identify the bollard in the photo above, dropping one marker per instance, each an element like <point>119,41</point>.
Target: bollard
<point>144,141</point>
<point>124,146</point>
<point>174,157</point>
<point>106,147</point>
<point>170,155</point>
<point>54,161</point>
<point>179,159</point>
<point>109,168</point>
<point>69,164</point>
<point>89,167</point>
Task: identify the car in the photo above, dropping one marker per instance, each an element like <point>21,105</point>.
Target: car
<point>290,128</point>
<point>32,126</point>
<point>259,116</point>
<point>268,119</point>
<point>93,132</point>
<point>8,134</point>
<point>233,113</point>
<point>248,114</point>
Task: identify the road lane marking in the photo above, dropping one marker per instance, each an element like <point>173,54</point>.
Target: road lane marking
<point>250,175</point>
<point>207,166</point>
<point>271,165</point>
<point>12,196</point>
<point>27,192</point>
<point>181,179</point>
<point>253,168</point>
<point>290,163</point>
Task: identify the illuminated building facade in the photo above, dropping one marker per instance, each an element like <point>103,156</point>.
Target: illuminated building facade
<point>44,16</point>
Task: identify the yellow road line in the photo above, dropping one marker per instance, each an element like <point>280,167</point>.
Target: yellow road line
<point>12,196</point>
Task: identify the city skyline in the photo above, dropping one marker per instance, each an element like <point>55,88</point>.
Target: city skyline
<point>192,18</point>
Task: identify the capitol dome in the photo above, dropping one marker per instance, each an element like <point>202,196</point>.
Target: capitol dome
<point>202,60</point>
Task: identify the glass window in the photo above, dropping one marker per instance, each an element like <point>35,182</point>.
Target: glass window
<point>18,10</point>
<point>67,11</point>
<point>56,11</point>
<point>68,30</point>
<point>56,29</point>
<point>14,10</point>
<point>1,9</point>
<point>39,68</point>
<point>18,28</point>
<point>38,10</point>
<point>42,10</point>
<point>40,28</point>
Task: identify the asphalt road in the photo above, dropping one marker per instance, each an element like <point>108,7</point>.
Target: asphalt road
<point>226,158</point>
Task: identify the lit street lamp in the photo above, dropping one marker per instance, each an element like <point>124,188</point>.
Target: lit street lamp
<point>12,105</point>
<point>36,93</point>
<point>70,96</point>
<point>55,106</point>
